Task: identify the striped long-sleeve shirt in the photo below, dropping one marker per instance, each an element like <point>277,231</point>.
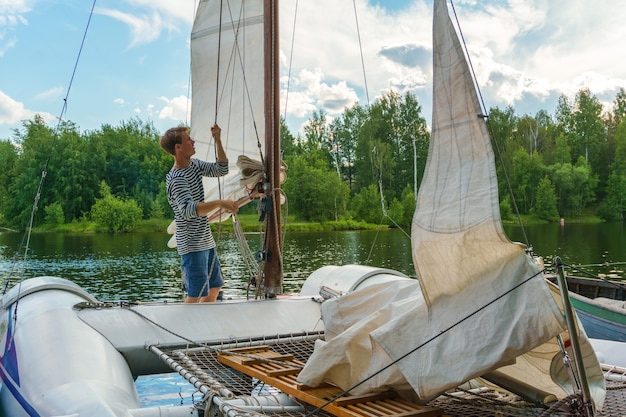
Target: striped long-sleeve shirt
<point>184,192</point>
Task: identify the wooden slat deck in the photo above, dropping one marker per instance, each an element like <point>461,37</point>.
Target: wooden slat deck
<point>283,375</point>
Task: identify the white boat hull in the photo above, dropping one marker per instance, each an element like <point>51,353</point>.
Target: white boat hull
<point>60,360</point>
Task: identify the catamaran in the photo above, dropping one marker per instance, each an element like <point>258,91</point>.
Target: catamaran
<point>480,322</point>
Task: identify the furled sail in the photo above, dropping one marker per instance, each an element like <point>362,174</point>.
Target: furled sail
<point>481,301</point>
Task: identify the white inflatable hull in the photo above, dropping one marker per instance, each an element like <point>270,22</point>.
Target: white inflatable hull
<point>58,360</point>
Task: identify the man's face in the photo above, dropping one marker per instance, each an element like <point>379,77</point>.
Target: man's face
<point>187,145</point>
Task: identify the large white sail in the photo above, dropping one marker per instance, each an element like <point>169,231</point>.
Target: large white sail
<point>227,85</point>
<point>227,73</point>
<point>481,301</point>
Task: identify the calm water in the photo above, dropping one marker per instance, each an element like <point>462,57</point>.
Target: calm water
<point>139,266</point>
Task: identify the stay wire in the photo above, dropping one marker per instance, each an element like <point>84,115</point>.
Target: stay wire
<point>485,116</point>
<point>56,132</point>
<point>410,352</point>
<point>356,18</point>
<point>293,38</point>
<point>45,170</point>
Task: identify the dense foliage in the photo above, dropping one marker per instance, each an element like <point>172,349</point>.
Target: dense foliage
<point>365,165</point>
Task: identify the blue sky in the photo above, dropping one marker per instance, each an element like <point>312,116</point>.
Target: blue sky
<point>134,62</point>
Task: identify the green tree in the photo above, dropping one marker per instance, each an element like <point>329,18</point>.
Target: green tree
<point>613,207</point>
<point>401,211</point>
<point>345,131</point>
<point>546,206</point>
<point>575,185</point>
<point>366,205</point>
<point>585,131</point>
<point>8,160</point>
<point>528,171</point>
<point>114,214</point>
<point>54,214</point>
<point>315,192</point>
<point>36,143</point>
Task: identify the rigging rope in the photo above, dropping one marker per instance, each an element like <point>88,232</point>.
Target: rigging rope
<point>54,140</point>
<point>43,177</point>
<point>293,38</point>
<point>356,18</point>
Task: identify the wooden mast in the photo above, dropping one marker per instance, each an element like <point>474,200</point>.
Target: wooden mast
<point>273,269</point>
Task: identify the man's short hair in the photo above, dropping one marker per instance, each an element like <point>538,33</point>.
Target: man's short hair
<point>171,137</point>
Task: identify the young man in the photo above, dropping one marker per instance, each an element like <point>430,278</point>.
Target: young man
<point>185,193</point>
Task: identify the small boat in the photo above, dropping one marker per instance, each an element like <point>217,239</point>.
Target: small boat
<point>601,306</point>
<point>480,332</point>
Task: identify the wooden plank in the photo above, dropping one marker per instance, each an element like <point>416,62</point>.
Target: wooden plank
<point>263,358</point>
<point>284,378</point>
<point>354,399</point>
<point>283,372</point>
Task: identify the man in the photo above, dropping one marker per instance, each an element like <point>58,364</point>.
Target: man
<point>185,193</point>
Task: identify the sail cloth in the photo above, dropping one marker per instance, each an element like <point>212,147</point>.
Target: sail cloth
<point>227,74</point>
<point>227,78</point>
<point>480,301</point>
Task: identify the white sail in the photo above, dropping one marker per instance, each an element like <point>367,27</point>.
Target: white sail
<point>481,301</point>
<point>227,86</point>
<point>227,73</point>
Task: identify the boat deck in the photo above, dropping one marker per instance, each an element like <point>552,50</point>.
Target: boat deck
<point>266,367</point>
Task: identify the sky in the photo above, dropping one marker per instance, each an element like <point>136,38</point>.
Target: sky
<point>130,59</point>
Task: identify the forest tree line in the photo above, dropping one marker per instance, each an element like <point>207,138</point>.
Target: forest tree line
<point>364,165</point>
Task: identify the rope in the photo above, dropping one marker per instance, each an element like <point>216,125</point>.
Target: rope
<point>356,18</point>
<point>293,38</point>
<point>45,172</point>
<point>249,259</point>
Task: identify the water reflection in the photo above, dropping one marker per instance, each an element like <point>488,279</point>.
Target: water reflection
<point>139,266</point>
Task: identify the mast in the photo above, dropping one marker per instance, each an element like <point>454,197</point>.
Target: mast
<point>273,269</point>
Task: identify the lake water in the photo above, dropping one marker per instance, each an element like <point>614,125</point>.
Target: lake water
<point>140,266</point>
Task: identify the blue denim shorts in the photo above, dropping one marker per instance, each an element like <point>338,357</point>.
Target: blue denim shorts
<point>196,267</point>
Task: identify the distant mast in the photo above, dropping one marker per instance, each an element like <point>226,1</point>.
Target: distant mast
<point>273,270</point>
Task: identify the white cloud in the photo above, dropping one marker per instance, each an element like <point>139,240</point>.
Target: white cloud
<point>144,28</point>
<point>52,93</point>
<point>175,109</point>
<point>11,15</point>
<point>180,10</point>
<point>15,7</point>
<point>119,101</point>
<point>12,111</point>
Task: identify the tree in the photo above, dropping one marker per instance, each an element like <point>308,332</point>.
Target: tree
<point>575,185</point>
<point>401,211</point>
<point>36,143</point>
<point>528,171</point>
<point>613,207</point>
<point>546,207</point>
<point>8,160</point>
<point>315,192</point>
<point>113,214</point>
<point>54,214</point>
<point>585,131</point>
<point>366,205</point>
<point>345,131</point>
